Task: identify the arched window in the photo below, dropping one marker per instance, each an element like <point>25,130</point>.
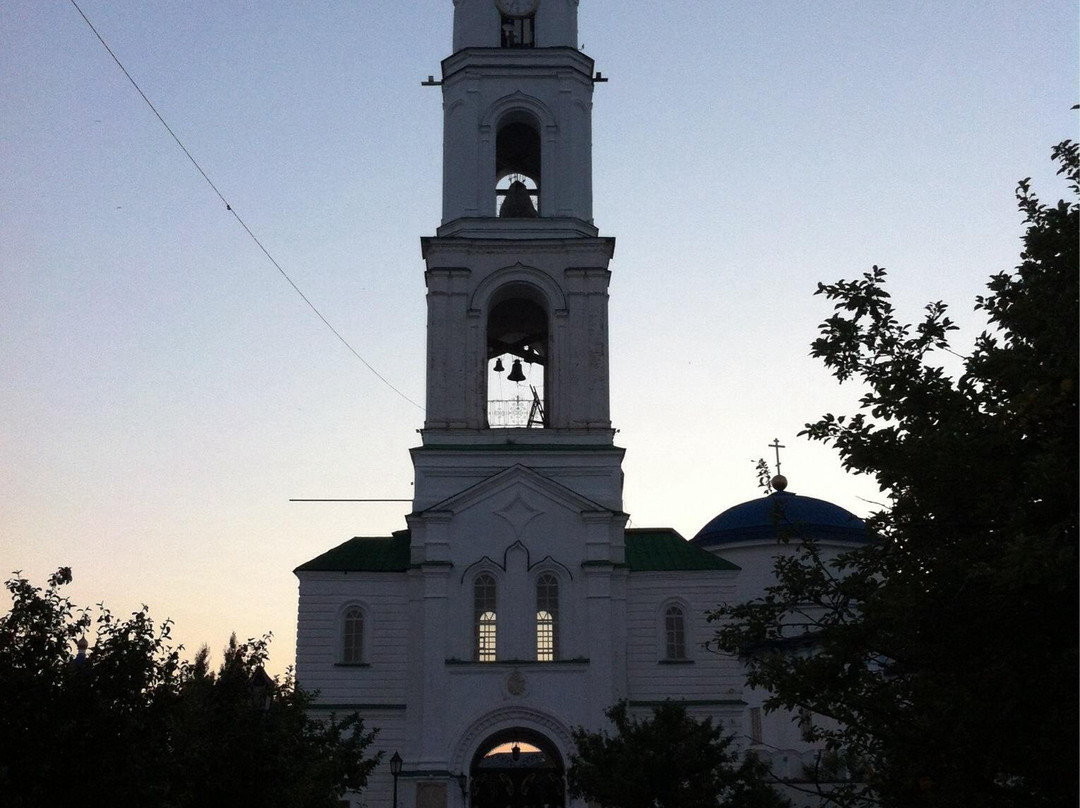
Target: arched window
<point>517,167</point>
<point>518,31</point>
<point>547,618</point>
<point>484,612</point>
<point>675,633</point>
<point>352,636</point>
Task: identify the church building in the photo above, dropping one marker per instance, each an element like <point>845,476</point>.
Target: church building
<point>515,604</point>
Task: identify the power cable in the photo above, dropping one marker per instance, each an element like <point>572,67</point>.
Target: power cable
<point>236,215</point>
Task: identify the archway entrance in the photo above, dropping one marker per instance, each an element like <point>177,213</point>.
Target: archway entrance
<point>517,768</point>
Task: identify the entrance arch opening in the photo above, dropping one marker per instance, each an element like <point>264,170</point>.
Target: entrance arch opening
<point>517,768</point>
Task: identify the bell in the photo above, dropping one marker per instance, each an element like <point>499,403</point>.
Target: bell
<point>515,372</point>
<point>518,203</point>
<point>499,365</point>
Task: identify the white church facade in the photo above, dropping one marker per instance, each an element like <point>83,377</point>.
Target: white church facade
<point>516,604</point>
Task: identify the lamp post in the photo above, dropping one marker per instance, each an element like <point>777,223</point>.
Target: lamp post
<point>395,769</point>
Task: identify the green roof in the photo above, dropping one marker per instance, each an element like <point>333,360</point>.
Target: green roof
<point>647,550</point>
<point>364,554</point>
<point>663,549</point>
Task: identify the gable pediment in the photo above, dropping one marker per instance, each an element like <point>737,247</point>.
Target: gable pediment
<point>519,494</point>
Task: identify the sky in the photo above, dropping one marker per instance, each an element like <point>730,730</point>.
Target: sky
<point>166,392</point>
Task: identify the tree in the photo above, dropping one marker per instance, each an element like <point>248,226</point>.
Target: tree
<point>126,722</point>
<point>947,648</point>
<point>668,761</point>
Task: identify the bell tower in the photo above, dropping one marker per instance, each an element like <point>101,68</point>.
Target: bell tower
<point>517,605</point>
<point>517,102</point>
<point>517,274</point>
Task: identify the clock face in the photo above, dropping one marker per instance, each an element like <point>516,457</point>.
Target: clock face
<point>517,8</point>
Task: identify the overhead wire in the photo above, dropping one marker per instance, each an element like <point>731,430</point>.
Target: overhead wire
<point>236,215</point>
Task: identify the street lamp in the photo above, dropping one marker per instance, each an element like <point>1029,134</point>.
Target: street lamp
<point>395,769</point>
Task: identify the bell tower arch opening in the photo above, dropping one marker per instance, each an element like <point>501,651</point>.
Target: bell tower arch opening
<point>517,31</point>
<point>517,166</point>
<point>517,768</point>
<point>517,358</point>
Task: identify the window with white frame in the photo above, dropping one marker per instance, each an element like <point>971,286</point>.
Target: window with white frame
<point>547,618</point>
<point>674,633</point>
<point>352,635</point>
<point>484,618</point>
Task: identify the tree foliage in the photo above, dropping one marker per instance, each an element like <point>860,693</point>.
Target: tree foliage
<point>947,648</point>
<point>126,722</point>
<point>667,761</point>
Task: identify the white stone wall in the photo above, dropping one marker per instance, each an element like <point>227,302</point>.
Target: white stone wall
<point>705,675</point>
<point>781,742</point>
<point>324,597</point>
<point>570,277</point>
<point>437,706</point>
<point>757,560</point>
<point>554,88</point>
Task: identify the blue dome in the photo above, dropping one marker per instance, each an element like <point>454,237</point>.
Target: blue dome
<point>782,514</point>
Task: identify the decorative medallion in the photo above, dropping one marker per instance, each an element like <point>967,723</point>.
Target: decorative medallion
<point>517,514</point>
<point>515,683</point>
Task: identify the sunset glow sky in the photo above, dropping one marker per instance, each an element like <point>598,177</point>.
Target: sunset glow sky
<point>166,392</point>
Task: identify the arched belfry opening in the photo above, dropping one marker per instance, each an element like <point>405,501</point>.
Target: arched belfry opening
<point>518,30</point>
<point>517,167</point>
<point>517,358</point>
<point>517,768</point>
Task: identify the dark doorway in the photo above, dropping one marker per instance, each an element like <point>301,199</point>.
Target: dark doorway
<point>517,768</point>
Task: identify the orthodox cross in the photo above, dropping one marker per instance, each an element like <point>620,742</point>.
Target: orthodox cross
<point>777,446</point>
